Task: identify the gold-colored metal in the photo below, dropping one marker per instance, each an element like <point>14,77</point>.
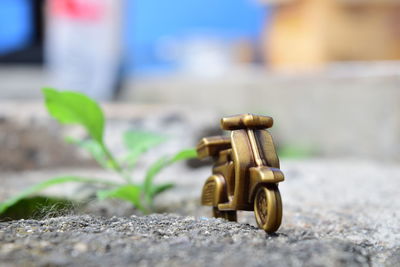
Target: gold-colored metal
<point>268,207</point>
<point>210,146</point>
<point>245,173</point>
<point>245,121</point>
<point>229,215</point>
<point>214,191</point>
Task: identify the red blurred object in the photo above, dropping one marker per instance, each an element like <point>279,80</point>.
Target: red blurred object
<point>78,9</point>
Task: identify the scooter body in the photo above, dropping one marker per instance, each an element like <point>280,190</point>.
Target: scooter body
<point>246,171</point>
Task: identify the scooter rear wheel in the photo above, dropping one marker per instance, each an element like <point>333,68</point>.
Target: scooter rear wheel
<point>268,208</point>
<point>229,215</point>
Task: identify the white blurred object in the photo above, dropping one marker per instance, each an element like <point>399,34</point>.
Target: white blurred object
<point>198,56</point>
<point>206,57</point>
<point>83,45</point>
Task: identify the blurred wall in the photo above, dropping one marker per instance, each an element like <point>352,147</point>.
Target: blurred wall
<point>153,25</point>
<point>348,110</point>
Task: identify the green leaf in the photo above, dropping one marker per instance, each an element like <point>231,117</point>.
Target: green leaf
<point>43,185</point>
<point>138,142</point>
<point>95,150</point>
<point>184,154</point>
<point>158,189</point>
<point>130,193</point>
<point>163,162</point>
<point>75,108</point>
<point>141,140</point>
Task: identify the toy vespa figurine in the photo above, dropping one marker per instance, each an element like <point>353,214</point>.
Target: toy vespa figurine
<point>246,171</point>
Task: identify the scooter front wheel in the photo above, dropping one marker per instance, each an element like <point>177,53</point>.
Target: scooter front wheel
<point>229,215</point>
<point>268,207</point>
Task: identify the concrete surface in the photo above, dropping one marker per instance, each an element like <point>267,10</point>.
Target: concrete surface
<point>347,109</point>
<point>31,139</point>
<point>336,213</point>
<point>167,240</point>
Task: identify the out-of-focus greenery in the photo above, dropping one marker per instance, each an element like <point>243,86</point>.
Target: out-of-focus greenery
<point>69,107</point>
<point>296,151</point>
<point>38,207</point>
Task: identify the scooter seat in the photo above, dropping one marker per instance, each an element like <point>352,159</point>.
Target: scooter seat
<point>211,146</point>
<point>246,121</point>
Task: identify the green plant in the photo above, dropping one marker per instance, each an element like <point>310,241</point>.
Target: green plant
<point>69,107</point>
<point>296,151</point>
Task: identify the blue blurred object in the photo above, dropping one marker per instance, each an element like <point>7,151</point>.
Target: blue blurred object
<point>15,24</point>
<point>148,21</point>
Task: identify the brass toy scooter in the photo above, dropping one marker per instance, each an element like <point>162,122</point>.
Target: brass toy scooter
<point>246,172</point>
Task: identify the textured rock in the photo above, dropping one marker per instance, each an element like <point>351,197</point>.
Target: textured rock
<point>168,240</point>
<point>336,213</point>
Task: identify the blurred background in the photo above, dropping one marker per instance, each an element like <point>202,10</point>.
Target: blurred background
<point>326,70</point>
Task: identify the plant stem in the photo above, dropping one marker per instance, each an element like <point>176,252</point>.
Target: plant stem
<point>115,164</point>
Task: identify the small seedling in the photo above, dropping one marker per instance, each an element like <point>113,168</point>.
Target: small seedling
<point>69,107</point>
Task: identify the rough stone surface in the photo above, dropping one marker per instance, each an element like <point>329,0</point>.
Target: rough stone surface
<point>169,240</point>
<point>336,213</point>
